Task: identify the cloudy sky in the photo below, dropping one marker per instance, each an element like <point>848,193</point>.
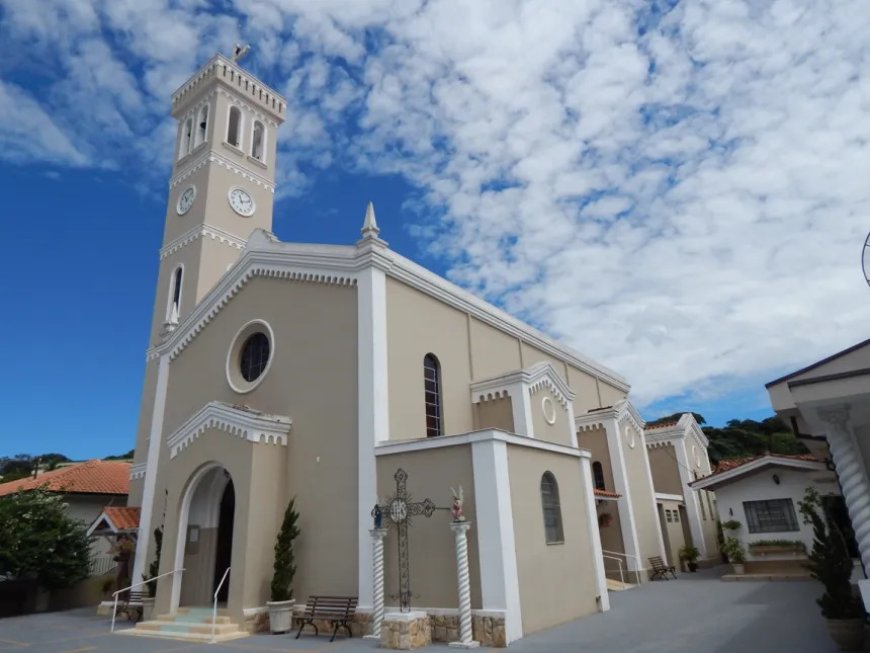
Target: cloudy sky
<point>679,190</point>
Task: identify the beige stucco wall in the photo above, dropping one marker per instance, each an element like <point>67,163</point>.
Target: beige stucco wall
<point>494,414</point>
<point>558,431</point>
<point>431,474</point>
<point>611,539</point>
<point>585,387</point>
<point>541,566</point>
<point>312,379</point>
<point>609,395</point>
<point>641,488</point>
<point>665,472</point>
<point>494,352</point>
<point>87,507</point>
<point>595,441</point>
<point>143,425</point>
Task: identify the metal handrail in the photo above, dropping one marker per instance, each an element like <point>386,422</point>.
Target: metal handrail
<point>214,608</point>
<point>619,560</point>
<point>626,555</point>
<point>144,582</point>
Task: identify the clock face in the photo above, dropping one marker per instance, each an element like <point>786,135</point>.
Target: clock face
<point>241,201</point>
<point>398,510</point>
<point>185,200</point>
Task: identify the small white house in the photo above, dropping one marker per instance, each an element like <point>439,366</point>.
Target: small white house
<point>762,495</point>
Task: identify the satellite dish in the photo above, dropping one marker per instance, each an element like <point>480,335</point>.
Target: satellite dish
<point>865,259</point>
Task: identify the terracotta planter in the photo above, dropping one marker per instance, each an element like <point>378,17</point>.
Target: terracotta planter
<point>281,616</point>
<point>848,634</point>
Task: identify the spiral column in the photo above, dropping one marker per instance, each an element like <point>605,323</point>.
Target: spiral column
<point>460,533</point>
<point>852,474</point>
<point>378,535</point>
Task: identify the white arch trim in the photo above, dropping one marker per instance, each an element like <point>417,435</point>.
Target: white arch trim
<point>246,423</point>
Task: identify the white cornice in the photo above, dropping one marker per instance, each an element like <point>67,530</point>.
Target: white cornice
<point>423,444</point>
<point>724,478</point>
<point>663,496</point>
<point>242,422</point>
<point>197,232</point>
<point>211,156</point>
<point>533,378</point>
<point>626,412</point>
<point>247,106</point>
<point>137,471</point>
<point>684,427</point>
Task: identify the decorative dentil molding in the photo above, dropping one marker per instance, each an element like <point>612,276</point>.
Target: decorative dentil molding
<point>200,231</point>
<point>532,379</point>
<point>137,471</point>
<point>248,108</point>
<point>209,156</point>
<point>243,422</point>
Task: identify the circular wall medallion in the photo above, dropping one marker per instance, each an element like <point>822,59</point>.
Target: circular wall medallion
<point>250,356</point>
<point>630,438</point>
<point>241,201</point>
<point>185,200</point>
<point>549,410</point>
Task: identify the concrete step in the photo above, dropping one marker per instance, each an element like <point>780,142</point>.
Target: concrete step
<point>181,627</point>
<point>194,618</point>
<point>618,586</point>
<point>189,624</point>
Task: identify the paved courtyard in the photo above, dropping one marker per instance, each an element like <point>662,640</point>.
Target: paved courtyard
<point>696,614</point>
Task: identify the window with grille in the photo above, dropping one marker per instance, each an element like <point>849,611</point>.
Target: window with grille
<point>598,475</point>
<point>552,511</point>
<point>255,356</point>
<point>432,396</point>
<point>772,516</point>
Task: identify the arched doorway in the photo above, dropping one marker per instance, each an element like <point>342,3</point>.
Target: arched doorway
<point>205,540</point>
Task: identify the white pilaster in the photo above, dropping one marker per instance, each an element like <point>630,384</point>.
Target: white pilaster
<point>621,486</point>
<point>155,436</point>
<point>652,495</point>
<point>594,533</point>
<point>521,404</point>
<point>460,534</point>
<point>852,474</point>
<point>378,535</point>
<point>372,408</point>
<point>499,577</point>
<point>690,496</point>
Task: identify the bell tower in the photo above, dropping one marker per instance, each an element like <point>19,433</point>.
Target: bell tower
<point>222,184</point>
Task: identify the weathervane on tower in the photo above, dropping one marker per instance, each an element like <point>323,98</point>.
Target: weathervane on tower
<point>240,52</point>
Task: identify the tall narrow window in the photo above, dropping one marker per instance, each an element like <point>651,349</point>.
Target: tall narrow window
<point>234,127</point>
<point>432,395</point>
<point>186,136</point>
<point>202,125</point>
<point>598,475</point>
<point>257,141</point>
<point>174,307</point>
<point>552,511</point>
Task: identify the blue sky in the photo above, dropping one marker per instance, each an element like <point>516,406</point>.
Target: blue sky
<point>679,193</point>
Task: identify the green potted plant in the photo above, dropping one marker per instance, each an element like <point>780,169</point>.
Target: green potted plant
<point>281,605</point>
<point>731,524</point>
<point>736,554</point>
<point>689,555</point>
<point>830,563</point>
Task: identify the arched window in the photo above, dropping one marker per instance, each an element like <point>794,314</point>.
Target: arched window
<point>234,128</point>
<point>186,137</point>
<point>552,512</point>
<point>432,394</point>
<point>598,475</point>
<point>202,125</point>
<point>257,141</point>
<point>174,307</point>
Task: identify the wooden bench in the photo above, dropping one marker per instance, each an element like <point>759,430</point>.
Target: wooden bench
<point>131,606</point>
<point>660,569</point>
<point>337,610</point>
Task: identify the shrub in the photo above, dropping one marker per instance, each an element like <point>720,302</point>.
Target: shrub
<point>284,568</point>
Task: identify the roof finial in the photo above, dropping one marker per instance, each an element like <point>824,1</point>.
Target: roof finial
<point>240,51</point>
<point>370,225</point>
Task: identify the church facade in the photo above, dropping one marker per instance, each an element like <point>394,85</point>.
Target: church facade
<point>278,370</point>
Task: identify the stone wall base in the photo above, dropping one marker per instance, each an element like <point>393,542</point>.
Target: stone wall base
<point>406,631</point>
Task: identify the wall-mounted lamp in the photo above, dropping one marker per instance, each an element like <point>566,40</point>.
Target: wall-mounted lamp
<point>776,479</point>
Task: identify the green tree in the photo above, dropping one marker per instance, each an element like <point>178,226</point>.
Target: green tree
<point>39,540</point>
<point>284,567</point>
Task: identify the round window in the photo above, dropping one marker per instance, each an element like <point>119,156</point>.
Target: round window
<point>255,356</point>
<point>250,356</point>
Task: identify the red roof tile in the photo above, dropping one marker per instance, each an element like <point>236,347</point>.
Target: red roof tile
<point>124,518</point>
<point>733,463</point>
<point>660,425</point>
<point>605,493</point>
<point>91,477</point>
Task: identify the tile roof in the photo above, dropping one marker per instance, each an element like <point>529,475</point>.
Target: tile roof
<point>124,518</point>
<point>605,493</point>
<point>734,463</point>
<point>660,425</point>
<point>91,477</point>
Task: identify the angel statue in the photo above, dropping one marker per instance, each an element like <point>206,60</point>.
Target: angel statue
<point>456,510</point>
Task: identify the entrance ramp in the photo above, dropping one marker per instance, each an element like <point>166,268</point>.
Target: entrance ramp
<point>618,586</point>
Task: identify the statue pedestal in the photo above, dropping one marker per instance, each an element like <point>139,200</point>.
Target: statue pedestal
<point>406,631</point>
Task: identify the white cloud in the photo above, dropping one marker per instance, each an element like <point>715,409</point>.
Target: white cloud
<point>681,193</point>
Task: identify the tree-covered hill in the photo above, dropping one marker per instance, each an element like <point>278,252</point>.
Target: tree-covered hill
<point>745,437</point>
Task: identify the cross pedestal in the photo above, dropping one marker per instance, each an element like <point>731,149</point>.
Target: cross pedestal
<point>378,535</point>
<point>405,631</point>
<point>460,533</point>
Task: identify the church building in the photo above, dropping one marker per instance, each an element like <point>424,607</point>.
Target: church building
<point>279,370</point>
